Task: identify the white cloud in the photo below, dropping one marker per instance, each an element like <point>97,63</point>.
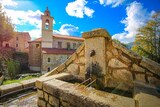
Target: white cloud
<point>67,29</point>
<point>114,3</point>
<point>137,16</point>
<point>35,33</point>
<point>8,3</point>
<point>20,17</point>
<point>78,9</point>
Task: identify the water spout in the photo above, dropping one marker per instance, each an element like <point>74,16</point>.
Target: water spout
<point>92,53</point>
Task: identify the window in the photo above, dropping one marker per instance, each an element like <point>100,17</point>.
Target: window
<point>16,38</point>
<point>74,45</point>
<point>47,24</point>
<point>7,45</point>
<point>68,45</point>
<point>16,45</point>
<point>48,69</point>
<point>37,46</point>
<point>59,44</point>
<point>49,59</point>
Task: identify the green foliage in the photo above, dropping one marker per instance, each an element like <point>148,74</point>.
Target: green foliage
<point>22,58</point>
<point>13,68</point>
<point>18,80</point>
<point>147,42</point>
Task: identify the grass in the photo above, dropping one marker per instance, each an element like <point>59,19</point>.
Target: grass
<point>17,80</point>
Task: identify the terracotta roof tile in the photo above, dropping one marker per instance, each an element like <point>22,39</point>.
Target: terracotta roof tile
<point>57,51</point>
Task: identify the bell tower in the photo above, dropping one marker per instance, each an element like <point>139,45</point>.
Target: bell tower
<point>47,29</point>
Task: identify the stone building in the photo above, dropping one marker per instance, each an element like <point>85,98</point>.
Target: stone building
<point>19,42</point>
<point>50,50</point>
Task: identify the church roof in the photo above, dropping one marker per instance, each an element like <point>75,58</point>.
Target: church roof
<point>58,36</point>
<point>57,51</point>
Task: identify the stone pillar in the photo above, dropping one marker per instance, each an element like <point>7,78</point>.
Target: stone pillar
<point>95,48</point>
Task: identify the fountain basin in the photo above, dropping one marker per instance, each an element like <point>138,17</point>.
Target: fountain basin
<point>56,91</point>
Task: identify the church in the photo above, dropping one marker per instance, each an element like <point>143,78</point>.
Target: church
<point>50,50</point>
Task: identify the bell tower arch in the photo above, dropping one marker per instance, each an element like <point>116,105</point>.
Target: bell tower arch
<point>47,29</point>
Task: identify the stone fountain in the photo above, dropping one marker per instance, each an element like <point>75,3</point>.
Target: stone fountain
<point>99,74</point>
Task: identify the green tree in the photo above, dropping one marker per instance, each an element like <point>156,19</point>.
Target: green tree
<point>13,68</point>
<point>6,27</point>
<point>147,42</point>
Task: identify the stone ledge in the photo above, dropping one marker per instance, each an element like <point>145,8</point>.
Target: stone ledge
<point>85,97</point>
<point>10,88</point>
<point>146,100</point>
<point>62,76</point>
<point>96,33</point>
<point>28,83</point>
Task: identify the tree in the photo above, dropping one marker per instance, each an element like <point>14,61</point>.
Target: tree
<point>13,68</point>
<point>6,27</point>
<point>147,42</point>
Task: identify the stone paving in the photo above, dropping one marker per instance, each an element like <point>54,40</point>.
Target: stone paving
<point>26,101</point>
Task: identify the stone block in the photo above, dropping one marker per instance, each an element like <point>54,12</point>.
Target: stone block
<point>65,104</point>
<point>28,83</point>
<point>73,69</point>
<point>82,96</point>
<point>80,60</point>
<point>41,103</point>
<point>81,53</point>
<point>40,93</point>
<point>39,82</point>
<point>115,52</point>
<point>54,101</point>
<point>80,49</point>
<point>125,59</point>
<point>147,100</point>
<point>128,52</point>
<point>151,65</point>
<point>122,75</point>
<point>48,105</point>
<point>115,63</point>
<point>140,77</point>
<point>61,67</point>
<point>45,96</point>
<point>10,88</point>
<point>135,67</point>
<point>109,55</point>
<point>82,70</point>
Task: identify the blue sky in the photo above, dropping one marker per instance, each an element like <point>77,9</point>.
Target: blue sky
<point>121,18</point>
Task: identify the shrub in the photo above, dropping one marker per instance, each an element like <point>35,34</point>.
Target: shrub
<point>13,68</point>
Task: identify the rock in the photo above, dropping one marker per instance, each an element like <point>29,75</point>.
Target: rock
<point>40,93</point>
<point>122,75</point>
<point>41,103</point>
<point>135,67</point>
<point>54,101</point>
<point>146,100</point>
<point>115,52</point>
<point>151,65</point>
<point>73,69</point>
<point>115,63</point>
<point>141,77</point>
<point>109,55</point>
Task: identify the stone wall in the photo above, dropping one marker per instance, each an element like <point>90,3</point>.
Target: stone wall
<point>55,60</point>
<point>35,56</point>
<point>53,92</point>
<point>118,66</point>
<point>124,66</point>
<point>74,65</point>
